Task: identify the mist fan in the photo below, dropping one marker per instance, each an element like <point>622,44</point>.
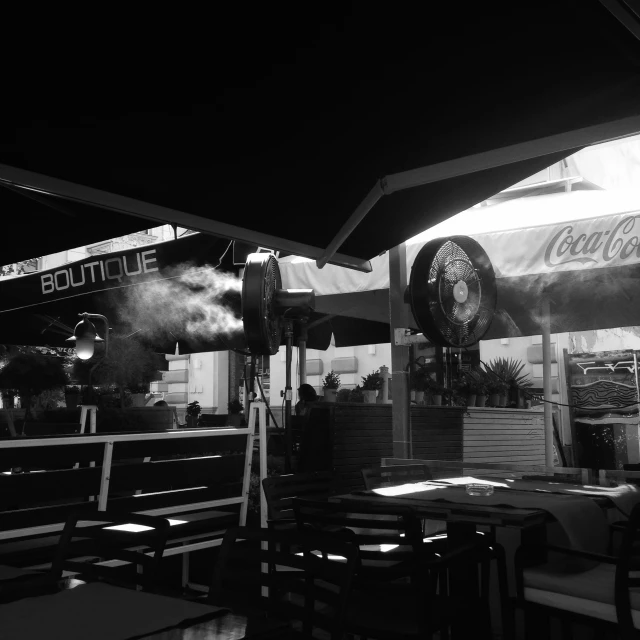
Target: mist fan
<point>452,291</point>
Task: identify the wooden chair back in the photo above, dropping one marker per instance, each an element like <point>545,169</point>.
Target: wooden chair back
<point>280,491</point>
<point>394,475</point>
<point>375,529</point>
<point>113,537</point>
<point>312,589</point>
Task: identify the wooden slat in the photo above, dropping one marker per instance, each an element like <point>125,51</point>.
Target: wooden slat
<point>172,446</point>
<point>28,488</point>
<point>176,474</point>
<point>43,457</point>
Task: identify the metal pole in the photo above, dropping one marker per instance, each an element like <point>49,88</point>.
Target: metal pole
<point>399,317</point>
<point>302,355</point>
<point>288,332</point>
<point>546,383</point>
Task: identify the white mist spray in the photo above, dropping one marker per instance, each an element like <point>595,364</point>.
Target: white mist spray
<point>189,302</point>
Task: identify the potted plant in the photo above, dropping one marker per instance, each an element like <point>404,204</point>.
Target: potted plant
<point>235,409</point>
<point>138,394</point>
<point>477,387</point>
<point>72,396</point>
<point>510,372</point>
<point>462,392</point>
<point>435,390</point>
<point>31,374</point>
<point>331,384</point>
<point>344,395</point>
<point>494,388</point>
<point>418,380</point>
<point>193,411</point>
<point>370,385</point>
<point>356,394</point>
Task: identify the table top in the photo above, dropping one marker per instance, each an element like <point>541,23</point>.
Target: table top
<point>515,503</point>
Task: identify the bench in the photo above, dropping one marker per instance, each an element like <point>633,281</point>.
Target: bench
<point>198,479</point>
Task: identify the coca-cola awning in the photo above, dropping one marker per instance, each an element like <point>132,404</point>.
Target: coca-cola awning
<point>309,131</point>
<point>184,291</point>
<point>579,250</point>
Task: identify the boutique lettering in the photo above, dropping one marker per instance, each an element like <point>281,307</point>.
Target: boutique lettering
<point>568,246</point>
<point>116,268</point>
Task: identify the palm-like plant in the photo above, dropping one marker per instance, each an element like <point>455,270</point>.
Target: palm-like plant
<point>509,371</point>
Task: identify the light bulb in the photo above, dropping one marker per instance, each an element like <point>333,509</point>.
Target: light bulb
<point>84,347</point>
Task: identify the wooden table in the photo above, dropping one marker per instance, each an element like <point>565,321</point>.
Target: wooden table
<point>462,520</point>
<point>99,610</point>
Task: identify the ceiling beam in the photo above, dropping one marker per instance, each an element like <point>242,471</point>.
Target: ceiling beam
<point>14,177</point>
<point>567,141</point>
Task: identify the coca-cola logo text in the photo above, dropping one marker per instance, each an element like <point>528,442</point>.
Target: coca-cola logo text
<point>599,246</point>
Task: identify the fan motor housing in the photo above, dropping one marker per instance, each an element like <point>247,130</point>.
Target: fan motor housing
<point>265,304</point>
<point>452,291</point>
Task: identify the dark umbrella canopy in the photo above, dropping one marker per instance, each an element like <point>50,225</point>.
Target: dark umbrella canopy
<point>292,116</point>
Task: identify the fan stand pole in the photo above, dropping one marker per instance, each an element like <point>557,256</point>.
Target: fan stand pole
<point>288,332</point>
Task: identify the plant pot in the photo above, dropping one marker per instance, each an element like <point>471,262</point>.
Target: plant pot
<point>420,397</point>
<point>436,400</point>
<point>471,400</point>
<point>412,395</point>
<point>192,421</point>
<point>71,400</point>
<point>330,395</point>
<point>481,401</point>
<point>502,401</point>
<point>494,399</point>
<point>137,399</point>
<point>369,395</point>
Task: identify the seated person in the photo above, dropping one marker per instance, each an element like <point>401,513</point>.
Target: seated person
<point>307,395</point>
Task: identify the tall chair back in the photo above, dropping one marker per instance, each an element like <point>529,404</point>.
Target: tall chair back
<point>312,589</point>
<point>124,537</point>
<point>280,491</point>
<point>376,530</point>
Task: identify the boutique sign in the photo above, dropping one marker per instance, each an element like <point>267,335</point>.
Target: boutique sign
<point>92,274</point>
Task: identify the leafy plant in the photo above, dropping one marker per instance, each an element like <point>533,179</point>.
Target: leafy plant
<point>194,408</point>
<point>331,381</point>
<point>234,406</point>
<point>128,365</point>
<point>356,394</point>
<point>31,374</point>
<point>477,379</point>
<point>138,388</point>
<point>508,371</point>
<point>419,377</point>
<point>344,395</point>
<point>372,381</point>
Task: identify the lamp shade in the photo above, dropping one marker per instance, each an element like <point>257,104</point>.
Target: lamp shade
<point>85,336</point>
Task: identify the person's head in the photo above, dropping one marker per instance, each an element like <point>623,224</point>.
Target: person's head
<point>307,393</point>
<point>161,403</point>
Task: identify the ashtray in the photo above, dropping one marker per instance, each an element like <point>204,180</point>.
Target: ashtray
<point>479,489</point>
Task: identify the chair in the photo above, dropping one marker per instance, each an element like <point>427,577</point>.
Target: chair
<point>280,491</point>
<point>311,593</point>
<point>124,537</point>
<point>398,572</point>
<point>603,592</point>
